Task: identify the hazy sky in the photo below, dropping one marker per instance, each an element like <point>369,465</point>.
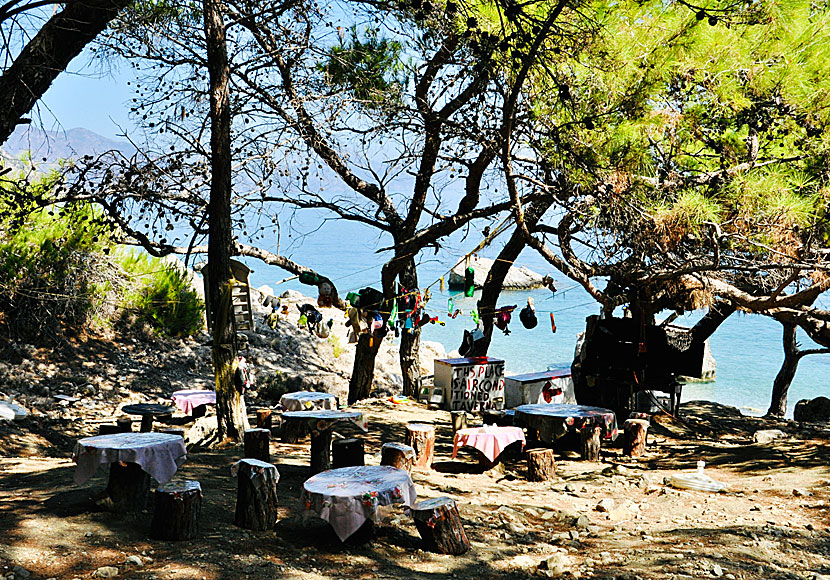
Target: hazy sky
<point>86,97</point>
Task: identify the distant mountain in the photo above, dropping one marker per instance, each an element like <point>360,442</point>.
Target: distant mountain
<point>55,145</point>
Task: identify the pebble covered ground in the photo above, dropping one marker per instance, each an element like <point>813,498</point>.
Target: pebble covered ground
<point>613,519</point>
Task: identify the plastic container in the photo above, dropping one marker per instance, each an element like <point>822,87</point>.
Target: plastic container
<point>697,481</point>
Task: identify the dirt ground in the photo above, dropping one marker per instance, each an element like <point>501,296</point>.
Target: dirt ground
<point>772,522</point>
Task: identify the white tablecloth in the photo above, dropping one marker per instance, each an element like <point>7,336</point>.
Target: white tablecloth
<point>159,454</point>
<point>348,496</point>
<point>189,399</point>
<point>307,400</point>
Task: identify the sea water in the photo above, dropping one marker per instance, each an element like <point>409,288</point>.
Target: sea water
<point>747,348</point>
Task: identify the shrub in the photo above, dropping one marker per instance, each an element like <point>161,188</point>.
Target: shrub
<point>53,268</point>
<point>160,295</point>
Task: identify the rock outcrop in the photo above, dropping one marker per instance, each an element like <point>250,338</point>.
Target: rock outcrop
<point>812,410</point>
<point>518,278</point>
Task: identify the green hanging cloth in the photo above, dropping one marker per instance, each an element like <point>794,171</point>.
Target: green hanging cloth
<point>469,281</point>
<point>449,307</point>
<point>393,316</point>
<point>474,314</point>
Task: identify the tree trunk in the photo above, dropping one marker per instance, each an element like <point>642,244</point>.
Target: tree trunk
<point>230,405</point>
<point>410,340</point>
<point>491,290</point>
<point>363,372</point>
<point>785,376</point>
<point>48,54</point>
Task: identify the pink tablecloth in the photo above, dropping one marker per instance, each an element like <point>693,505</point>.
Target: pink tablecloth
<point>491,441</point>
<point>187,400</point>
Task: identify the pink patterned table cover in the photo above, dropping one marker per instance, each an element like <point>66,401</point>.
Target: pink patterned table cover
<point>322,420</point>
<point>159,454</point>
<point>189,399</point>
<point>308,400</point>
<point>490,440</point>
<point>348,496</point>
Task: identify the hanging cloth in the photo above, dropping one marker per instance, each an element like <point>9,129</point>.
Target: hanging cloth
<point>502,318</point>
<point>528,315</point>
<point>469,281</point>
<point>552,323</point>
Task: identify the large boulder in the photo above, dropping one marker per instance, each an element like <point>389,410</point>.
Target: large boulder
<point>520,278</point>
<point>812,410</point>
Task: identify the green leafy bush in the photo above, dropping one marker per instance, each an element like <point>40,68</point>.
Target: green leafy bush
<point>160,295</point>
<point>53,268</point>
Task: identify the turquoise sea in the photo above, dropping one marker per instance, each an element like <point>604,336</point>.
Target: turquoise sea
<point>747,348</point>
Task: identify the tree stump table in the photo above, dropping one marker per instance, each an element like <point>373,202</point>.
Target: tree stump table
<point>320,424</point>
<point>178,506</point>
<point>636,431</point>
<point>347,453</point>
<point>440,525</point>
<point>258,444</point>
<point>147,411</point>
<point>133,458</point>
<point>256,494</point>
<point>397,455</point>
<point>350,496</point>
<point>552,421</point>
<point>541,465</point>
<point>194,402</point>
<point>490,441</point>
<point>421,437</point>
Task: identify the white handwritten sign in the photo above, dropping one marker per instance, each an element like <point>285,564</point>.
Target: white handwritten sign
<point>477,387</point>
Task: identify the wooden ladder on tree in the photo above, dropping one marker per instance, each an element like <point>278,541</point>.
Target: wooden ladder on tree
<point>242,310</point>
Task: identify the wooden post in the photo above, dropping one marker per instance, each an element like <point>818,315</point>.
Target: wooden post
<point>258,444</point>
<point>421,437</point>
<point>263,419</point>
<point>320,451</point>
<point>256,494</point>
<point>635,437</point>
<point>459,420</point>
<point>541,465</point>
<point>440,525</point>
<point>176,516</point>
<point>125,424</point>
<point>347,453</point>
<point>397,455</point>
<point>128,487</point>
<point>590,442</point>
<point>293,430</point>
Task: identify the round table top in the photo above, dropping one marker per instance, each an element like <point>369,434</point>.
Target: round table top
<point>357,481</point>
<point>147,409</point>
<point>562,411</point>
<point>193,392</point>
<point>128,440</point>
<point>326,414</point>
<point>307,396</point>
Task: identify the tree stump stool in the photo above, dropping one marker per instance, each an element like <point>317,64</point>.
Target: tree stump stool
<point>347,453</point>
<point>459,420</point>
<point>636,431</point>
<point>107,429</point>
<point>293,431</point>
<point>263,419</point>
<point>421,437</point>
<point>541,465</point>
<point>256,494</point>
<point>397,455</point>
<point>258,444</point>
<point>128,487</point>
<point>198,411</point>
<point>440,525</point>
<point>178,506</point>
<point>124,424</point>
<point>589,442</point>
